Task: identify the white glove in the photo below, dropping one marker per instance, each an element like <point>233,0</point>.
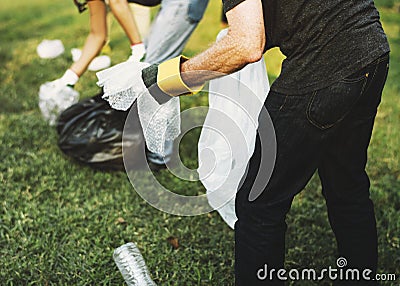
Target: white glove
<point>138,52</point>
<point>57,95</point>
<point>69,78</point>
<point>122,83</point>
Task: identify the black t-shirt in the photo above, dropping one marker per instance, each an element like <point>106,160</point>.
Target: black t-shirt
<point>323,41</point>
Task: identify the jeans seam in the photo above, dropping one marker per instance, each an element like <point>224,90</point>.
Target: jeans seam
<point>382,58</point>
<point>365,82</point>
<point>376,64</point>
<point>284,102</point>
<point>375,71</point>
<point>309,116</point>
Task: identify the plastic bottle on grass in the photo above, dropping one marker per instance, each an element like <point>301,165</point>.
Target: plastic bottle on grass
<point>132,265</point>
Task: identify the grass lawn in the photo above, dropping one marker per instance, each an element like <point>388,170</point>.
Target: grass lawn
<point>60,222</point>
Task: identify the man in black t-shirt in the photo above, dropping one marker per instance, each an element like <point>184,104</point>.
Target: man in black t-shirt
<point>322,107</point>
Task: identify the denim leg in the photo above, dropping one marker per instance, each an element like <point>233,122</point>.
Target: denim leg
<point>169,32</point>
<point>260,229</point>
<point>260,243</point>
<point>344,179</point>
<point>346,190</point>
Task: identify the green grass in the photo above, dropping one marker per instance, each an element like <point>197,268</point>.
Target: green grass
<point>59,220</point>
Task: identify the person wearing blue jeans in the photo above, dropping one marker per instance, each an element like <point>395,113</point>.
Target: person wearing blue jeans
<point>171,29</point>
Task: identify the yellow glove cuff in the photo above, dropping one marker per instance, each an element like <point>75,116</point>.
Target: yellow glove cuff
<point>169,78</point>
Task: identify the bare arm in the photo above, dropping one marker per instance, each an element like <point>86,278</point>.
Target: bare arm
<point>96,38</point>
<point>122,12</point>
<point>243,44</point>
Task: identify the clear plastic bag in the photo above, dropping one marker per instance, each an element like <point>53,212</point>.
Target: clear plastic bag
<point>160,122</point>
<point>54,98</point>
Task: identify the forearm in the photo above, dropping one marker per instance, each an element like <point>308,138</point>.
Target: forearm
<point>243,44</point>
<point>124,16</point>
<point>228,55</point>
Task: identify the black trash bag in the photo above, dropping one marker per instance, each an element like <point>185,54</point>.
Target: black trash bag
<point>90,132</point>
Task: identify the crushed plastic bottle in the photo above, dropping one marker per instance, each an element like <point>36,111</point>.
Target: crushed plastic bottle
<point>132,266</point>
<point>54,98</point>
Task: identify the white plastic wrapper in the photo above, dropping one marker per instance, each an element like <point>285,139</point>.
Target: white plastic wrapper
<point>50,49</point>
<point>228,136</point>
<point>98,63</point>
<point>54,98</point>
<point>122,85</point>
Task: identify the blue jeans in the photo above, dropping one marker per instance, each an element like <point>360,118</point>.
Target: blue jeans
<point>327,131</point>
<point>172,28</point>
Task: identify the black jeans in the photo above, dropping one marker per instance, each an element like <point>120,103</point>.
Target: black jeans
<point>328,130</point>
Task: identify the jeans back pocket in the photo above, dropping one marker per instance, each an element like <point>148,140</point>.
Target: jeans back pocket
<point>330,105</point>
